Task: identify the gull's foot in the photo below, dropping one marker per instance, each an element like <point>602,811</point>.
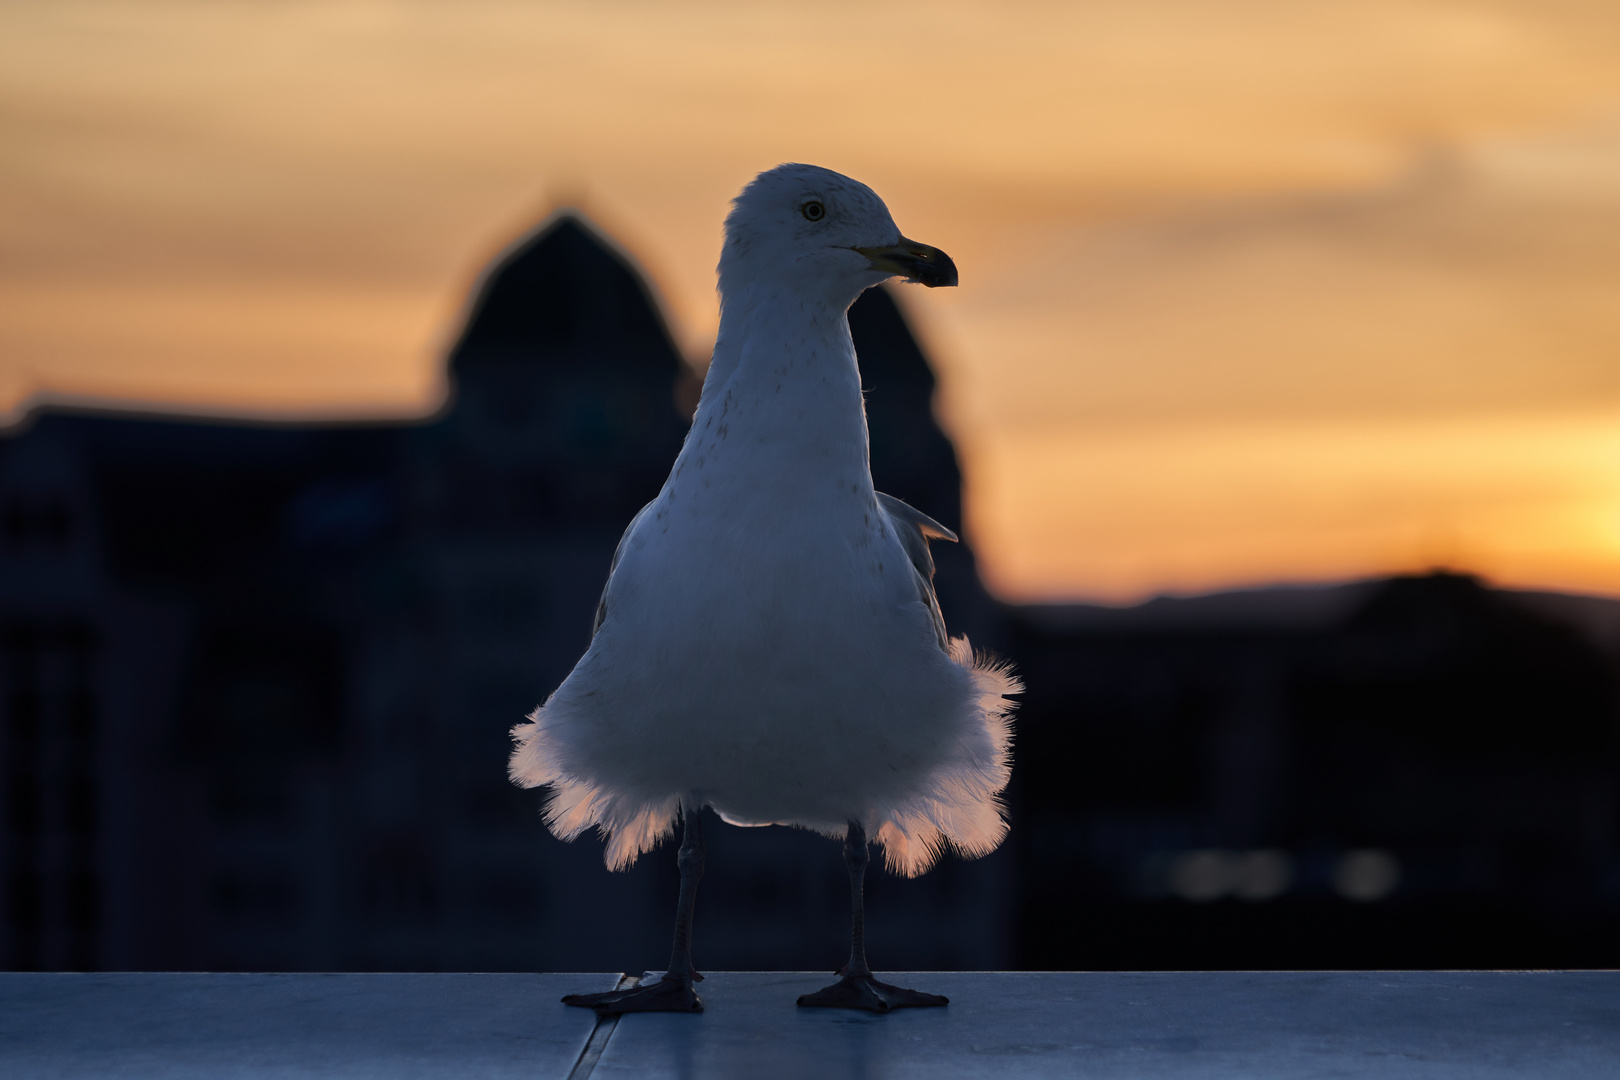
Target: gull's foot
<point>661,995</point>
<point>865,992</point>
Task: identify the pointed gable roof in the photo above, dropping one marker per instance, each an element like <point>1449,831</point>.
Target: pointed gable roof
<point>562,294</point>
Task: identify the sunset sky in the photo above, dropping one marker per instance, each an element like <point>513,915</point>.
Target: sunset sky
<point>1252,290</point>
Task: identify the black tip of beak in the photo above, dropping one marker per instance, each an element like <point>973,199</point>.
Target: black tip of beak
<point>935,270</point>
<point>913,261</point>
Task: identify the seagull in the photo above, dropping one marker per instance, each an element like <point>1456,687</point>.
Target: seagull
<point>769,644</point>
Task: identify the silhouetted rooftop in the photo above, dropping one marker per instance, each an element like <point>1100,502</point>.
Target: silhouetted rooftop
<point>562,294</point>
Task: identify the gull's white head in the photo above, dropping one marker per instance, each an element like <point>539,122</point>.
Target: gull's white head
<point>820,233</point>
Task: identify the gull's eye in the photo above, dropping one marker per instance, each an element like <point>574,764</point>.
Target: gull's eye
<point>813,211</point>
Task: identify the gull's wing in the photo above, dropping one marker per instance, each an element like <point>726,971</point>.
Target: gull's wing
<point>601,605</point>
<point>915,529</point>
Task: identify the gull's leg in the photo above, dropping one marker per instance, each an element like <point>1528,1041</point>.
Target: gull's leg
<point>673,991</point>
<point>858,989</point>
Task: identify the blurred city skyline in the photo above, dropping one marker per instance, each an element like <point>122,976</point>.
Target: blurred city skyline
<point>1252,291</point>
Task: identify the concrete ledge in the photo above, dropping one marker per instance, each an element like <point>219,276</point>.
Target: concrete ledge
<point>1104,1025</point>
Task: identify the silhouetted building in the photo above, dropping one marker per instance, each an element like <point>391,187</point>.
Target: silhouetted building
<point>258,679</point>
<point>256,682</point>
<point>1420,772</point>
<point>913,459</point>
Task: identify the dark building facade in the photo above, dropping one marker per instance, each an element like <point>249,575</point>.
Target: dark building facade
<point>257,680</point>
<point>1418,772</point>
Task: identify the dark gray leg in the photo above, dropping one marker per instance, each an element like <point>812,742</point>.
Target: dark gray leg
<point>673,992</point>
<point>855,860</point>
<point>858,989</point>
<point>690,861</point>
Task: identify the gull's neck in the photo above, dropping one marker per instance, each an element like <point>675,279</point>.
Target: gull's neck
<point>783,392</point>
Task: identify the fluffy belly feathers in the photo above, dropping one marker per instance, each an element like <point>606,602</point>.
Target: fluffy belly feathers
<point>771,691</point>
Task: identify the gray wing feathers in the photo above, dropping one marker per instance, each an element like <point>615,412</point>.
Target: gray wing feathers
<point>915,529</point>
<point>602,605</point>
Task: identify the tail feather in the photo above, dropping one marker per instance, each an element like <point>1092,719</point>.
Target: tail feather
<point>963,811</point>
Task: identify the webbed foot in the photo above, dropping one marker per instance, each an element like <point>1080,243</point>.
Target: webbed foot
<point>659,995</point>
<point>865,992</point>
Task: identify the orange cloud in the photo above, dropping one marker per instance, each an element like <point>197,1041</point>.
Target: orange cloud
<point>1171,216</point>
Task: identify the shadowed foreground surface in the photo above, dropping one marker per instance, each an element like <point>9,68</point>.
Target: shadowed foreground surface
<point>1158,1024</point>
